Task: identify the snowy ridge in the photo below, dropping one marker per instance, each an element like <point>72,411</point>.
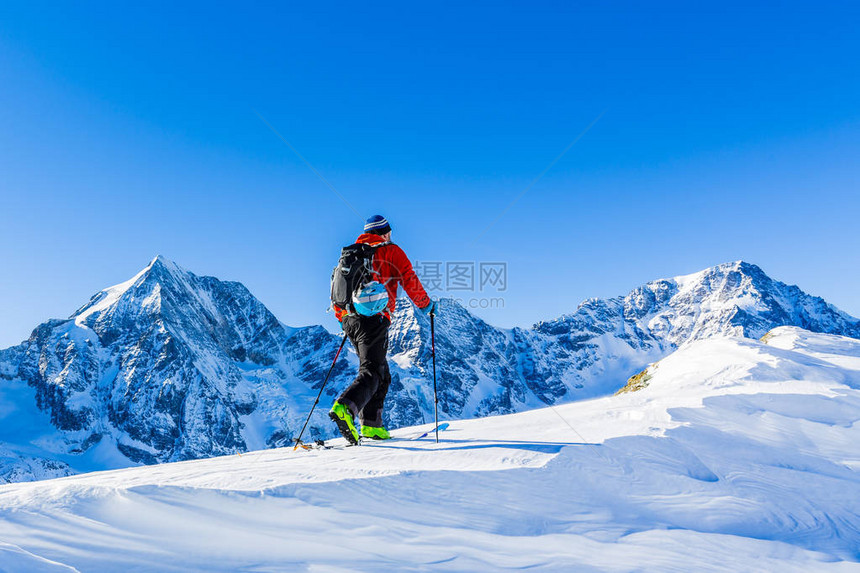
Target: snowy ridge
<point>592,351</point>
<point>172,366</point>
<point>737,455</point>
<point>106,298</point>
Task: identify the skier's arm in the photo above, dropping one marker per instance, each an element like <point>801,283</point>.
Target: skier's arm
<point>408,279</point>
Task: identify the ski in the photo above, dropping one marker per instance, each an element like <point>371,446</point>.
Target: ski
<point>440,427</point>
<point>323,445</point>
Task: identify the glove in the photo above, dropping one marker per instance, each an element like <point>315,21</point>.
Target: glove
<point>429,309</point>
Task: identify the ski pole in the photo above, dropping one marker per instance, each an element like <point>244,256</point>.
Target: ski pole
<point>433,353</point>
<point>333,362</point>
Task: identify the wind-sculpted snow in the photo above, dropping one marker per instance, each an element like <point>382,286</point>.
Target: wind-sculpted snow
<point>739,455</point>
<point>172,366</point>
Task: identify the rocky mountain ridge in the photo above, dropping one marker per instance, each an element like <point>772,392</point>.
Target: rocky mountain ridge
<point>170,366</point>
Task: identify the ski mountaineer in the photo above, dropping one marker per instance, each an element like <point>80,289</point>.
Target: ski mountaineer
<point>365,397</point>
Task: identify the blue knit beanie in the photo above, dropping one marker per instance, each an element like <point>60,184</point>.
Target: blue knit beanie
<point>378,225</point>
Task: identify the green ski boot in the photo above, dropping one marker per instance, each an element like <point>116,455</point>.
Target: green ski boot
<point>375,433</point>
<point>341,416</point>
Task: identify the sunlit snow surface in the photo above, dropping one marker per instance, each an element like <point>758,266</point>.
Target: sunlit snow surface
<point>738,456</point>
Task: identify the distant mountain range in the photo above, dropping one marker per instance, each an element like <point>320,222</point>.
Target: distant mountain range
<point>171,366</point>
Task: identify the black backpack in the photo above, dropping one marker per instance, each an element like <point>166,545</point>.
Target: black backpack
<point>353,271</point>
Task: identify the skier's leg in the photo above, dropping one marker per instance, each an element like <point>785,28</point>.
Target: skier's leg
<point>371,414</point>
<point>371,342</point>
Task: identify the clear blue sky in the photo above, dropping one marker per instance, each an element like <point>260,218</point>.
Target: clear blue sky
<point>730,132</point>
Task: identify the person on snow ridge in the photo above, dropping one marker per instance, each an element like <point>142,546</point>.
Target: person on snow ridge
<point>364,398</point>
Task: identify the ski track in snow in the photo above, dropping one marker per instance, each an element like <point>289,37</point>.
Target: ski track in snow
<point>738,456</point>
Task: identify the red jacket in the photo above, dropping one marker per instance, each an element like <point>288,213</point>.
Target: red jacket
<point>391,267</point>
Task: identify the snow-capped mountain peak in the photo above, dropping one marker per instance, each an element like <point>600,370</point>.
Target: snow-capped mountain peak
<point>158,367</point>
<point>144,290</point>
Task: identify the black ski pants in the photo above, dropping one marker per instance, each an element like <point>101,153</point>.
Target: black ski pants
<point>365,397</point>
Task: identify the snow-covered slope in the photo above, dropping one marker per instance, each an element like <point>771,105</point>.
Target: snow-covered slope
<point>172,366</point>
<point>736,455</point>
